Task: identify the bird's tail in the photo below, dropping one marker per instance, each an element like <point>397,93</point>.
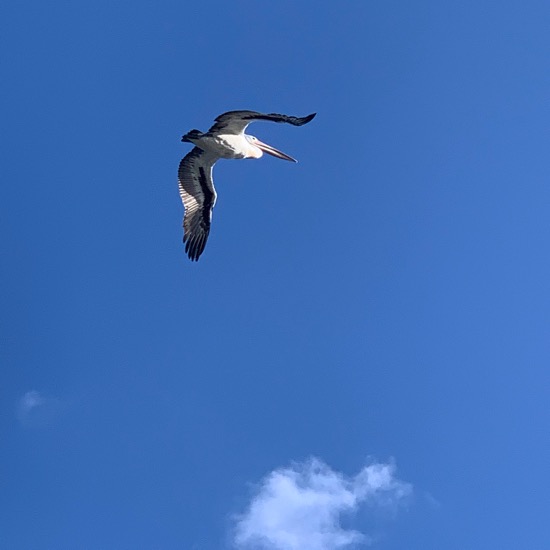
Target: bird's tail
<point>192,135</point>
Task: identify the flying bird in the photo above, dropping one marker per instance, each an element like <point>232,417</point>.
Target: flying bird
<point>226,139</point>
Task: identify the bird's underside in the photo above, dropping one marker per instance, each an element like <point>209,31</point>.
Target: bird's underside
<point>225,139</point>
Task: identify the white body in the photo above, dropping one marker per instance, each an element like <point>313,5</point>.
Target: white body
<point>228,146</point>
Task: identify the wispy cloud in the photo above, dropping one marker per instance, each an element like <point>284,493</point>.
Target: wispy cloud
<point>35,408</point>
<point>300,507</point>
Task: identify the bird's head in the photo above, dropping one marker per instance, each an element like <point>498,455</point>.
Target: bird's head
<point>258,148</point>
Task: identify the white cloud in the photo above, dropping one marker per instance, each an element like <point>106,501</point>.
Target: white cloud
<point>300,507</point>
<point>34,409</point>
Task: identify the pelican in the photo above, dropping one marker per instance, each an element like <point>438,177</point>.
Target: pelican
<point>226,139</point>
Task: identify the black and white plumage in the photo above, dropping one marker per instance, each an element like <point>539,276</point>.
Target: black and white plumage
<point>225,139</point>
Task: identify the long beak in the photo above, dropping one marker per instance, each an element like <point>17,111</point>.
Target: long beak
<point>272,151</point>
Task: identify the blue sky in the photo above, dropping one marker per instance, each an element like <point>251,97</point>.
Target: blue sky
<point>360,357</point>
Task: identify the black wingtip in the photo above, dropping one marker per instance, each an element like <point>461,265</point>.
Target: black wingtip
<point>300,121</point>
<point>309,118</point>
<point>194,246</point>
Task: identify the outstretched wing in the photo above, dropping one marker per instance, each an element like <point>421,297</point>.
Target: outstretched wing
<point>199,197</point>
<point>235,122</point>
